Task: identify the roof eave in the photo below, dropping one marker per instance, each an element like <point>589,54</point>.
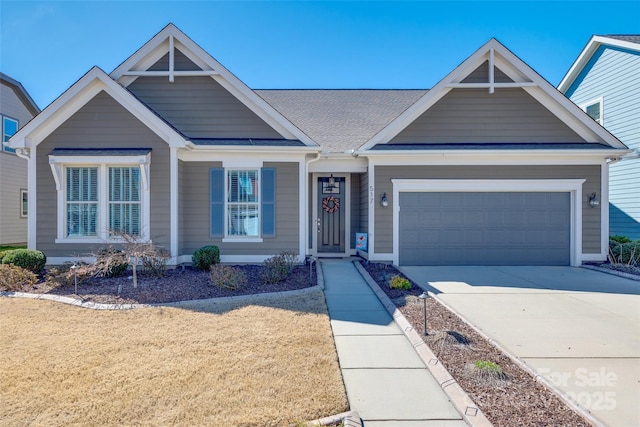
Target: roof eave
<point>614,152</point>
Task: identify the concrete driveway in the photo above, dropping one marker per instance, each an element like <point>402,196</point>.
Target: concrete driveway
<point>579,328</point>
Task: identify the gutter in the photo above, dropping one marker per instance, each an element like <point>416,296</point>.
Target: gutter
<point>236,148</point>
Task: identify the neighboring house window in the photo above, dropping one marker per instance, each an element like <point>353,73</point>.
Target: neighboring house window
<point>9,128</point>
<point>96,200</point>
<point>243,203</point>
<point>24,203</point>
<point>594,110</point>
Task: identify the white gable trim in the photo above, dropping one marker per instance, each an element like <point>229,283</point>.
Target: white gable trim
<point>76,97</point>
<point>522,75</point>
<point>171,38</point>
<point>592,45</point>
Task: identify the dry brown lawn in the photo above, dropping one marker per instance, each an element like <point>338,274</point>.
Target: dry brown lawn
<point>271,363</point>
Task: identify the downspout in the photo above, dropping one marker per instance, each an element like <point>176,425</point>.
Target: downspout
<point>307,198</point>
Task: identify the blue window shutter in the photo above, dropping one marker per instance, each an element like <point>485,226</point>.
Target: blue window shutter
<point>268,200</point>
<point>216,187</point>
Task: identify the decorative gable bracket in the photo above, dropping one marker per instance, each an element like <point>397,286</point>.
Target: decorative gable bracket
<point>491,84</point>
<point>171,72</point>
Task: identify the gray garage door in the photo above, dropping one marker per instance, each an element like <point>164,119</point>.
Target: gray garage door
<point>484,228</point>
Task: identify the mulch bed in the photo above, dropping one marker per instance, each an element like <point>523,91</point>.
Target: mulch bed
<point>177,285</point>
<point>519,401</point>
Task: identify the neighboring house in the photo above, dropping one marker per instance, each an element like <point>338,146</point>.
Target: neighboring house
<point>16,109</point>
<point>491,166</point>
<point>605,82</point>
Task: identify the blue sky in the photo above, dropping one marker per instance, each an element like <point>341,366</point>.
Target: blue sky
<point>48,45</point>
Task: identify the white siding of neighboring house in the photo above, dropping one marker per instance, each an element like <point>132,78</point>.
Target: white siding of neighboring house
<point>612,73</point>
<point>13,174</point>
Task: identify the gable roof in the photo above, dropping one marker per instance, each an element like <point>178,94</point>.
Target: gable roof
<point>21,92</point>
<point>340,120</point>
<point>506,70</point>
<point>624,41</point>
<point>170,39</point>
<point>81,92</point>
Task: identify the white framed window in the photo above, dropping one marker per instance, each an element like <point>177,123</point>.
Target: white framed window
<point>95,199</point>
<point>9,128</point>
<point>594,109</point>
<point>243,204</point>
<point>24,203</point>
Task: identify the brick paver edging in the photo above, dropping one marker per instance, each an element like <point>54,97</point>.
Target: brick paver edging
<point>460,399</point>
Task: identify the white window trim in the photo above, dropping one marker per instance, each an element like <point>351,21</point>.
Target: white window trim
<point>5,145</point>
<point>22,193</point>
<point>240,239</point>
<point>572,186</point>
<point>593,102</point>
<point>58,165</point>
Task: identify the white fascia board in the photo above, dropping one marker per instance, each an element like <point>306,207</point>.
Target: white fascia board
<point>491,157</point>
<point>77,96</point>
<point>339,163</point>
<point>241,155</point>
<point>592,45</point>
<point>520,72</point>
<point>252,148</point>
<point>155,48</point>
<point>430,98</point>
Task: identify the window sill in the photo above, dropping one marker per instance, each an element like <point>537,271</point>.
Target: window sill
<point>105,241</point>
<point>242,240</point>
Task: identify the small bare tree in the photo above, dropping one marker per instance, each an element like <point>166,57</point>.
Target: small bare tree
<point>134,252</point>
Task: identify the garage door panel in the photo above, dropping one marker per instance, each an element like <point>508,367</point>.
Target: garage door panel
<point>490,228</point>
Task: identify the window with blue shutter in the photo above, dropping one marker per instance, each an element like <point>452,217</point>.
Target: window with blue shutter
<point>216,186</point>
<point>268,200</point>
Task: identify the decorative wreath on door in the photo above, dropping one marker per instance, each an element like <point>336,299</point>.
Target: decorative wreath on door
<point>330,204</point>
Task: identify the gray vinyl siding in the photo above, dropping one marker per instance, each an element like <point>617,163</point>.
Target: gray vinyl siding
<point>200,107</point>
<point>384,174</point>
<point>476,116</point>
<point>612,73</point>
<point>355,208</point>
<point>13,173</point>
<point>101,123</point>
<point>481,75</point>
<point>363,197</point>
<point>196,220</point>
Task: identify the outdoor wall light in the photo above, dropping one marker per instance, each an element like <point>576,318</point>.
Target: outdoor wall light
<point>594,202</point>
<point>423,296</point>
<point>332,181</point>
<point>384,202</point>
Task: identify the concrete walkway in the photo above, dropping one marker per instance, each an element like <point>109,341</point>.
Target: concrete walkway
<point>578,328</point>
<point>386,381</point>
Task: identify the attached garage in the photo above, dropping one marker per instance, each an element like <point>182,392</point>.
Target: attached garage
<point>489,223</point>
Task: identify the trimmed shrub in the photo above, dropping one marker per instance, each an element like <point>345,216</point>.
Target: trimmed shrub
<point>111,262</point>
<point>63,275</point>
<point>624,253</point>
<point>155,263</point>
<point>227,277</point>
<point>399,282</point>
<point>619,239</point>
<point>205,257</point>
<point>30,259</point>
<point>278,267</point>
<point>14,278</point>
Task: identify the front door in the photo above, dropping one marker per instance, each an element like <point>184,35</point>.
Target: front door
<point>330,218</point>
